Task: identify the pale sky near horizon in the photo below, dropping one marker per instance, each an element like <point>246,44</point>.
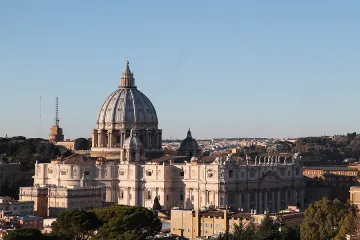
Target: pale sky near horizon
<point>224,68</point>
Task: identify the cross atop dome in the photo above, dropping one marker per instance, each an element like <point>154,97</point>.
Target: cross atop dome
<point>127,78</point>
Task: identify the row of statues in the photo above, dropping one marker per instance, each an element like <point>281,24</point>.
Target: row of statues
<point>260,160</point>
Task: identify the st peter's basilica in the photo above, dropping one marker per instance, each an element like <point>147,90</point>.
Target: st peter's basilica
<point>126,161</point>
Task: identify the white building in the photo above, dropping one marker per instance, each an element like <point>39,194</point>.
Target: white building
<point>266,183</point>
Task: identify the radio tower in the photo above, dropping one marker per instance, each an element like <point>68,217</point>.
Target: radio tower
<point>57,112</point>
<point>56,133</point>
<point>40,119</point>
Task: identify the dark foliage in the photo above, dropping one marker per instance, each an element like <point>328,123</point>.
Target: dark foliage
<point>114,222</point>
<point>156,205</point>
<point>82,144</point>
<point>77,224</point>
<point>25,234</point>
<point>269,229</point>
<point>329,220</point>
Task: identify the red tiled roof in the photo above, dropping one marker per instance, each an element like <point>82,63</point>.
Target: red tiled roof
<point>78,159</point>
<point>212,214</point>
<point>241,215</point>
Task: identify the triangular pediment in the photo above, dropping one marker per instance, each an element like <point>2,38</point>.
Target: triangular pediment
<point>270,176</point>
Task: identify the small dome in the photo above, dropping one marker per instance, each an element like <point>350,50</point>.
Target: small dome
<point>132,142</point>
<point>189,146</point>
<point>189,142</point>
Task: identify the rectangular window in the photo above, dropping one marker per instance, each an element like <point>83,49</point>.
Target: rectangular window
<point>181,197</point>
<point>230,173</point>
<point>181,173</point>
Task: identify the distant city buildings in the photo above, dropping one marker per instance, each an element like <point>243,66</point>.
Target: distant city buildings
<point>329,181</point>
<point>11,207</point>
<point>355,195</point>
<point>8,171</point>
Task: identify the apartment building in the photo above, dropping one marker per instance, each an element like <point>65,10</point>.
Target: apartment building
<point>9,206</point>
<point>192,224</point>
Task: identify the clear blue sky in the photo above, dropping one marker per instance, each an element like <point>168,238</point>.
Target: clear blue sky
<point>224,68</point>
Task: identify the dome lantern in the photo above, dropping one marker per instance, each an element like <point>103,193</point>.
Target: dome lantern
<point>127,78</point>
<point>189,133</point>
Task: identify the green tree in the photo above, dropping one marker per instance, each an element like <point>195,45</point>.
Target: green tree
<point>329,220</point>
<point>76,224</point>
<point>24,234</point>
<point>245,232</point>
<point>82,144</point>
<point>126,222</point>
<point>268,229</point>
<point>156,205</point>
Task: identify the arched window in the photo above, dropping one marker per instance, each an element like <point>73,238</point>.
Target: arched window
<point>133,153</point>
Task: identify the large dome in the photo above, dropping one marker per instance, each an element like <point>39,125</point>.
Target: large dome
<point>126,110</point>
<point>127,106</point>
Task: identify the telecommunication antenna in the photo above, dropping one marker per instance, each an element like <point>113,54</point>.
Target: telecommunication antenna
<point>40,119</point>
<point>57,112</point>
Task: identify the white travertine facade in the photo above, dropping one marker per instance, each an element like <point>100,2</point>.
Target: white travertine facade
<point>264,184</point>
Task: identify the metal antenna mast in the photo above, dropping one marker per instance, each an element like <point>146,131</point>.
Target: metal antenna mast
<point>40,119</point>
<point>57,112</point>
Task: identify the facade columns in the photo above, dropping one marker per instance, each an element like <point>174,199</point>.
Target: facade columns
<point>150,140</point>
<point>160,137</point>
<point>248,200</point>
<point>110,138</point>
<point>94,138</point>
<point>278,200</point>
<point>294,197</point>
<point>260,202</point>
<point>302,199</point>
<point>273,200</point>
<point>157,139</point>
<point>240,200</point>
<point>100,138</point>
<point>123,137</point>
<point>256,201</point>
<point>266,201</point>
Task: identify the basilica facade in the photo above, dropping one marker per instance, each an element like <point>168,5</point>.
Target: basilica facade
<point>127,137</point>
<point>265,183</point>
